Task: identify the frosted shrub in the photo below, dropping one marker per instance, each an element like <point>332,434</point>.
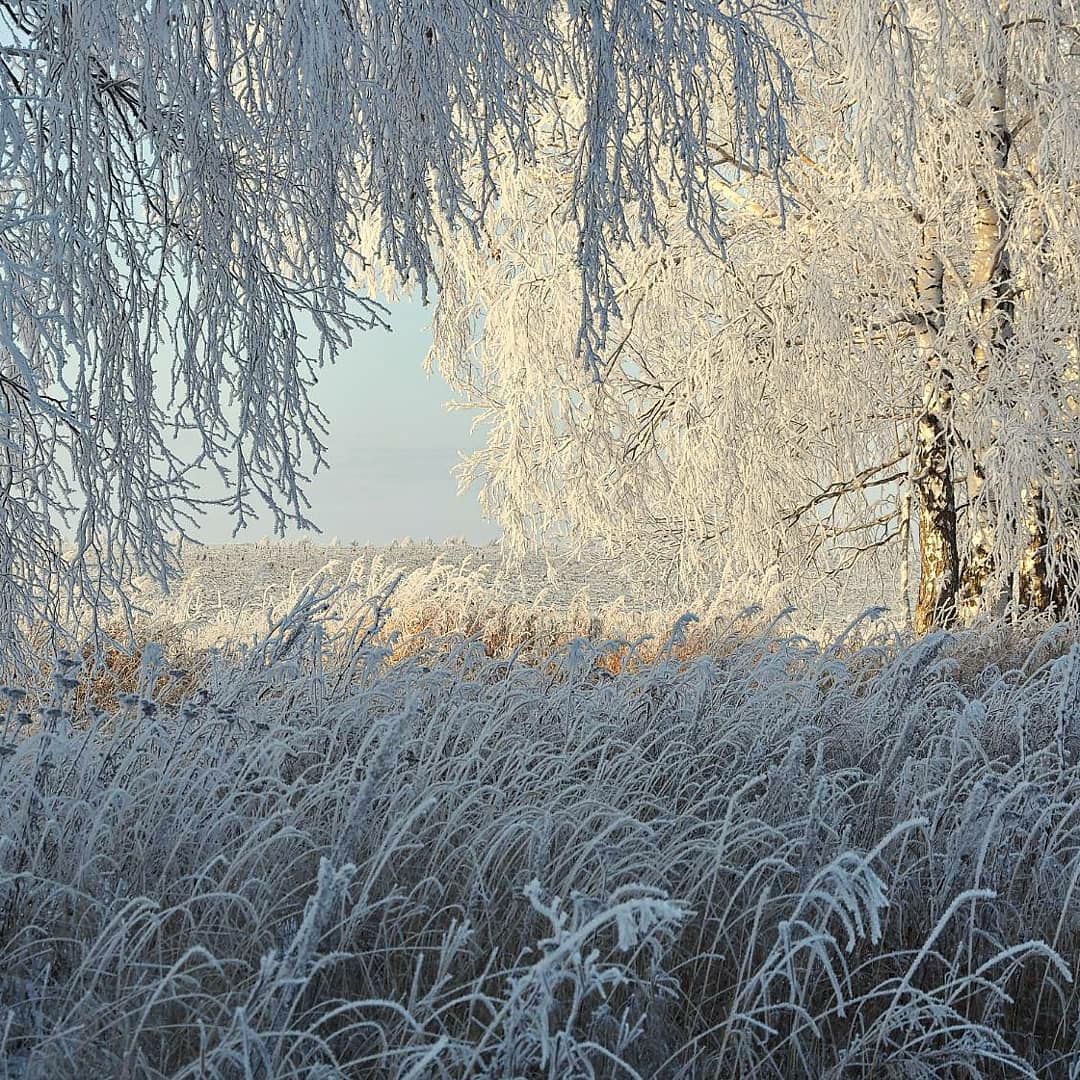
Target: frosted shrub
<point>780,859</point>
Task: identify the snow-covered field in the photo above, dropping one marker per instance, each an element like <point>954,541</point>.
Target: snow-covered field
<point>231,591</point>
<point>236,577</point>
<point>331,857</point>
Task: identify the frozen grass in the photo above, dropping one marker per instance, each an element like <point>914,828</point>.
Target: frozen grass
<point>347,857</point>
<point>232,595</point>
<point>455,586</point>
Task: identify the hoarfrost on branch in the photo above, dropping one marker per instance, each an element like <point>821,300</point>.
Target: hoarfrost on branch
<point>190,191</point>
<point>883,361</point>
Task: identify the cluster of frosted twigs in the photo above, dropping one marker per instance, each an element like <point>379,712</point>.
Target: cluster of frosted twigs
<point>777,860</point>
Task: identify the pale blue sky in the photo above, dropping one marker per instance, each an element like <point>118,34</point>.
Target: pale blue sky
<point>391,448</point>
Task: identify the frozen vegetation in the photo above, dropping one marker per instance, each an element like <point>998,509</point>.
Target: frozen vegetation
<point>777,300</point>
<point>340,852</point>
<point>229,591</point>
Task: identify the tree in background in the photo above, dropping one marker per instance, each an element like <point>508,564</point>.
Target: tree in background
<point>185,186</point>
<point>884,354</point>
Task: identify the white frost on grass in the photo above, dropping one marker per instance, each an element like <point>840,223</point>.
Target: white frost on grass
<point>780,860</point>
<point>227,590</point>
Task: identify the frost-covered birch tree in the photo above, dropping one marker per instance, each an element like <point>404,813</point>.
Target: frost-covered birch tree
<point>189,190</point>
<point>882,357</point>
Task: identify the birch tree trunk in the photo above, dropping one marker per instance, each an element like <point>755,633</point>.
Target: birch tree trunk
<point>1065,581</point>
<point>1033,585</point>
<point>1034,589</point>
<point>990,285</point>
<point>939,559</point>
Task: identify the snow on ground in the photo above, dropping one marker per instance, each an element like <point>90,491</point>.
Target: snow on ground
<point>227,587</point>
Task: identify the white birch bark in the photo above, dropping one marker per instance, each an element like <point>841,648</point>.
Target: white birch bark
<point>989,287</point>
<point>934,458</point>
